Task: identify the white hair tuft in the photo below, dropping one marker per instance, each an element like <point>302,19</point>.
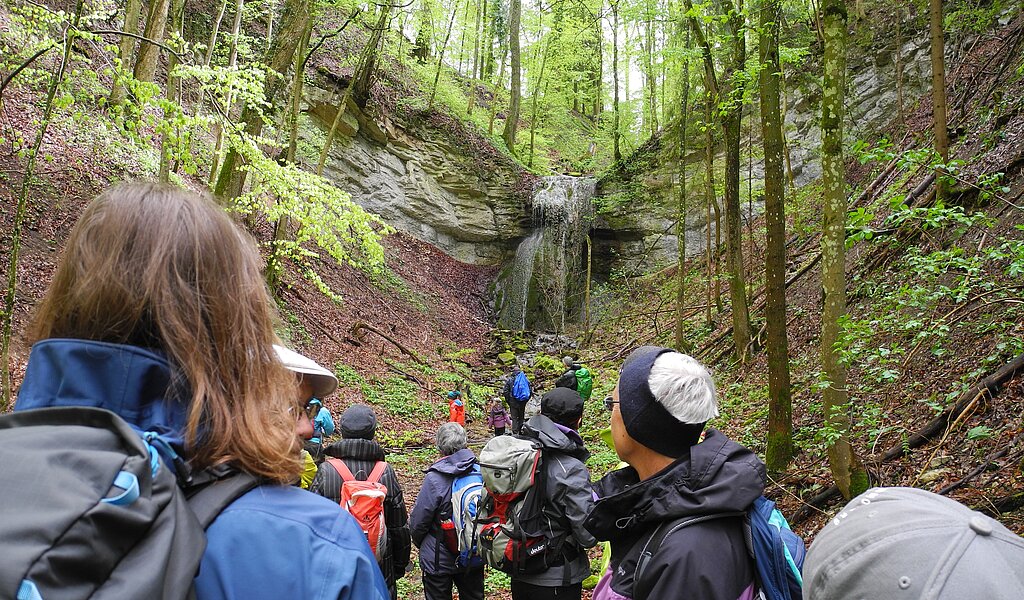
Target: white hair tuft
<point>684,387</point>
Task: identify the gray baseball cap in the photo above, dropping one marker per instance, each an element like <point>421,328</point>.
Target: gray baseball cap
<point>909,544</point>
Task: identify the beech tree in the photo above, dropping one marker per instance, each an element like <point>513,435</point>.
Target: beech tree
<point>156,23</point>
<point>512,120</point>
<point>938,48</point>
<point>780,411</point>
<point>728,91</point>
<point>847,470</point>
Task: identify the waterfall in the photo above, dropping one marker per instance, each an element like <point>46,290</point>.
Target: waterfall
<point>543,286</point>
<point>518,284</point>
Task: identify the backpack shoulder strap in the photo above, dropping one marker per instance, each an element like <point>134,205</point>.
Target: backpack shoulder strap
<point>665,529</point>
<point>377,472</point>
<point>342,469</point>
<point>209,500</point>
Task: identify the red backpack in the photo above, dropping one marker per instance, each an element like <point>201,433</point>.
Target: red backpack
<point>364,500</point>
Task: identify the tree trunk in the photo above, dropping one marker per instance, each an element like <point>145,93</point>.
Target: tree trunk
<point>214,31</point>
<point>785,142</point>
<point>218,129</point>
<point>512,121</point>
<point>780,405</point>
<point>424,33</point>
<point>494,101</point>
<point>732,95</point>
<point>847,470</point>
<point>126,47</point>
<point>681,343</point>
<point>651,91</point>
<point>709,179</point>
<point>939,94</point>
<point>898,64</point>
<point>173,87</point>
<point>440,54</point>
<point>616,150</point>
<point>298,83</point>
<point>149,53</point>
<point>279,57</point>
<point>480,16</point>
<point>598,77</point>
<point>362,80</point>
<point>536,97</point>
<point>365,62</point>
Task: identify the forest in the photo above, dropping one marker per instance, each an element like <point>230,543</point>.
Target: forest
<point>820,200</point>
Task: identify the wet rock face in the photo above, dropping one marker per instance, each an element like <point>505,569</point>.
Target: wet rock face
<point>422,185</point>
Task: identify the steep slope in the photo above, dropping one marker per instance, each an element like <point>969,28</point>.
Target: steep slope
<point>935,305</point>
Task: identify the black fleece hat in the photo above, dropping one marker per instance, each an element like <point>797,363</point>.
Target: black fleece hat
<point>646,420</point>
<point>562,405</point>
<point>358,422</point>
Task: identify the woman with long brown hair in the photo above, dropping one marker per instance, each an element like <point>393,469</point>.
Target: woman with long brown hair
<point>158,312</point>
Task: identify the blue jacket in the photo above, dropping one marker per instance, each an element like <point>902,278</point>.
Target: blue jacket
<point>274,542</point>
<point>435,498</point>
<point>323,424</point>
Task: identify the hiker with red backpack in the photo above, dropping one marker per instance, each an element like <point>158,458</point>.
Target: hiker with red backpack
<point>355,476</point>
<point>443,519</point>
<point>675,516</point>
<point>153,368</point>
<point>537,496</point>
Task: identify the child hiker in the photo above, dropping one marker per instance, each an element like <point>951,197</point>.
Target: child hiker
<point>456,409</point>
<point>497,417</point>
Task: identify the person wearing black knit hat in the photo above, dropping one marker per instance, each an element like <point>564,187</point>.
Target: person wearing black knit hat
<point>357,455</point>
<point>659,410</point>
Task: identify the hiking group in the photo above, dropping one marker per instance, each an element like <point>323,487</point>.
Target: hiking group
<point>177,472</point>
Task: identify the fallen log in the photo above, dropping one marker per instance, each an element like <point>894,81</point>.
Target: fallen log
<point>991,386</point>
<point>357,333</point>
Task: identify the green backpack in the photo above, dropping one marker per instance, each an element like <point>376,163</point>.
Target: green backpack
<point>584,383</point>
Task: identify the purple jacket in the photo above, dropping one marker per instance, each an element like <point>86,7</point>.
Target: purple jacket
<point>706,560</point>
<point>498,420</point>
<point>433,502</point>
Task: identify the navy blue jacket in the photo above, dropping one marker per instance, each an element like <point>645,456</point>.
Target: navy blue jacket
<point>435,498</point>
<point>274,542</point>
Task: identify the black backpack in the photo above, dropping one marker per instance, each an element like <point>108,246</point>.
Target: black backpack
<point>88,510</point>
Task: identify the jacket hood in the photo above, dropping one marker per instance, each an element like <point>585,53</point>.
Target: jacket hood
<point>455,464</point>
<point>135,383</point>
<point>556,437</point>
<point>356,448</point>
<point>718,476</point>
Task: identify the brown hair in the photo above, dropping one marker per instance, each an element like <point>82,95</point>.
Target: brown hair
<point>157,266</point>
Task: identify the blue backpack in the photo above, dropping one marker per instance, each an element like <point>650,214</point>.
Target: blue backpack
<point>778,552</point>
<point>521,387</point>
<point>466,492</point>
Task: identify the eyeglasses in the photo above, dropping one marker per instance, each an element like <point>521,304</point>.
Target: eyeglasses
<point>310,410</point>
<point>609,403</point>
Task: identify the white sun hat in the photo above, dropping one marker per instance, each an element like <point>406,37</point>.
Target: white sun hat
<point>324,382</point>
